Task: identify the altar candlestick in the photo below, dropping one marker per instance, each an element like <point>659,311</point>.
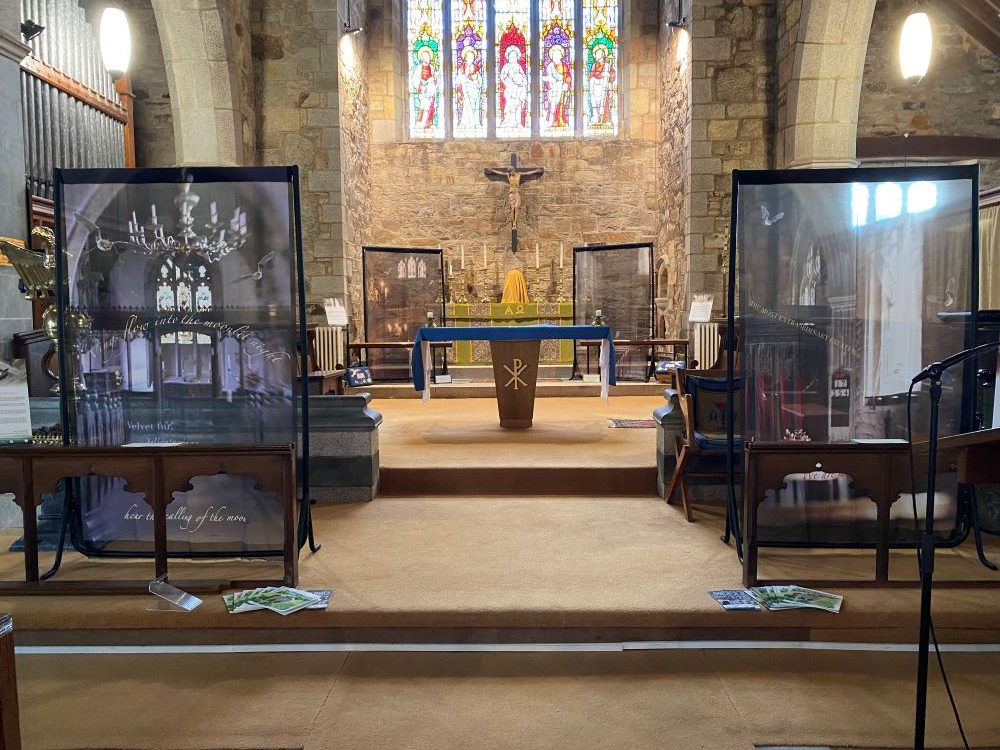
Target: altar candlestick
<point>461,260</point>
<point>536,255</point>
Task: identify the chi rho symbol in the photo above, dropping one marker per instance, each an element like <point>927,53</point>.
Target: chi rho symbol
<point>515,374</point>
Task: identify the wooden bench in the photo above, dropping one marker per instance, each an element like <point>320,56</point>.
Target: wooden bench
<point>359,346</point>
<point>323,382</point>
<point>10,723</point>
<point>678,349</point>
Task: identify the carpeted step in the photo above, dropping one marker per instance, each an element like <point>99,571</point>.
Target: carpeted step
<point>602,481</point>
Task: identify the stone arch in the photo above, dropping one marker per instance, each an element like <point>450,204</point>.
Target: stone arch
<point>818,119</point>
<point>206,50</point>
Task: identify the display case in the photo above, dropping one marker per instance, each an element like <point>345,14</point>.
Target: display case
<point>402,286</point>
<point>617,280</point>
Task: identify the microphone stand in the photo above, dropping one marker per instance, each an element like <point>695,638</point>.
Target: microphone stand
<point>932,373</point>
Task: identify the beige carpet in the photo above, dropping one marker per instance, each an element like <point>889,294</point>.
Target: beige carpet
<point>567,432</point>
<point>535,567</point>
<point>716,700</point>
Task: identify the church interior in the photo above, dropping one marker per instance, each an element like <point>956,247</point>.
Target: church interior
<point>512,373</point>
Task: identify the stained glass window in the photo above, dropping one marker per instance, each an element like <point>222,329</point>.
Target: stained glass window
<point>424,47</point>
<point>555,67</point>
<point>513,45</point>
<point>600,53</point>
<point>513,68</point>
<point>469,106</point>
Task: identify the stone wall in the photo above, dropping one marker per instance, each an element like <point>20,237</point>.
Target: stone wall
<point>297,121</point>
<point>154,122</point>
<point>356,162</point>
<point>236,26</point>
<point>435,194</point>
<point>732,116</point>
<point>958,96</point>
<point>674,185</point>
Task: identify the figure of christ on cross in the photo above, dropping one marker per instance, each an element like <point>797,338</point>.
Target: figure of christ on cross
<point>514,175</point>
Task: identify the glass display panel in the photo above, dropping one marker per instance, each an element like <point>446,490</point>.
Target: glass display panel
<point>425,52</point>
<point>402,285</point>
<point>846,289</point>
<point>556,67</point>
<point>600,50</point>
<point>512,19</point>
<point>177,288</point>
<point>850,282</point>
<point>617,281</point>
<point>469,76</point>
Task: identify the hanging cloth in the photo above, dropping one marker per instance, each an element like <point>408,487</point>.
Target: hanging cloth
<point>515,289</point>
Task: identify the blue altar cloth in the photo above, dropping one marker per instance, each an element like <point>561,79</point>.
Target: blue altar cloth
<point>510,333</point>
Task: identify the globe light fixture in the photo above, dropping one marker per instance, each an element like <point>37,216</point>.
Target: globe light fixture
<point>915,45</point>
<point>116,42</point>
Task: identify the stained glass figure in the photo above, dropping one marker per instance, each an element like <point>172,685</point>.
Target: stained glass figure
<point>513,36</point>
<point>469,72</point>
<point>556,68</point>
<point>424,43</point>
<point>600,49</point>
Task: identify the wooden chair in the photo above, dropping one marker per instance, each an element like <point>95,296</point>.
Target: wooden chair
<point>702,400</point>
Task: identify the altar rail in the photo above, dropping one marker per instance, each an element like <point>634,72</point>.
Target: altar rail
<point>156,472</point>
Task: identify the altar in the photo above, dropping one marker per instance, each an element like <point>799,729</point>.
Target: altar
<point>515,356</point>
<point>498,314</point>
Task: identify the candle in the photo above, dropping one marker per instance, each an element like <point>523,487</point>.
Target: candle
<point>560,255</point>
<point>536,255</point>
<point>213,209</point>
<point>461,260</point>
<point>485,264</point>
<point>451,271</point>
<point>153,211</point>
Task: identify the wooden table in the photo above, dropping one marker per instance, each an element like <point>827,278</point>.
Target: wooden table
<point>880,473</point>
<point>156,472</point>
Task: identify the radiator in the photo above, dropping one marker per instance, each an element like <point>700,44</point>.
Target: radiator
<point>330,348</point>
<point>707,342</point>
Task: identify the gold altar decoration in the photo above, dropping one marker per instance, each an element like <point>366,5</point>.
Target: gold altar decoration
<point>515,288</point>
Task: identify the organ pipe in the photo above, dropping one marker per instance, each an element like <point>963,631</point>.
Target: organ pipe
<point>64,127</point>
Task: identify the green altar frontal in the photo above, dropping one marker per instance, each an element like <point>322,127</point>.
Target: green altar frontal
<point>553,352</point>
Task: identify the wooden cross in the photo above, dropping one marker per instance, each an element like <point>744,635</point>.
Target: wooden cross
<point>514,175</point>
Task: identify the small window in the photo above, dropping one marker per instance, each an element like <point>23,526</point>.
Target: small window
<point>921,196</point>
<point>888,201</point>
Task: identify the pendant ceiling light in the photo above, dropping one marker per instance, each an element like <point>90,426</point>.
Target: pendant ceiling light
<point>116,41</point>
<point>915,45</point>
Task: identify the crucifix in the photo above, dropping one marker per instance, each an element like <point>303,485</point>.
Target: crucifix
<point>514,175</point>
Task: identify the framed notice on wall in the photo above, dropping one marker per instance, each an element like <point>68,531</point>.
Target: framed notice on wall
<point>179,292</point>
